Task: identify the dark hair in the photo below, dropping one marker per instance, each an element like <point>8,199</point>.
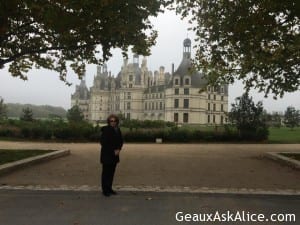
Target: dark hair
<point>112,116</point>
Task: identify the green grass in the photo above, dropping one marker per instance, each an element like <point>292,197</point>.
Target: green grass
<point>292,155</point>
<point>284,135</point>
<point>7,156</point>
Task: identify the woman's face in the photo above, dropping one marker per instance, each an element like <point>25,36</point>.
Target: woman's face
<point>113,122</point>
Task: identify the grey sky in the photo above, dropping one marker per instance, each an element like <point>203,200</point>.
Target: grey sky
<point>44,87</point>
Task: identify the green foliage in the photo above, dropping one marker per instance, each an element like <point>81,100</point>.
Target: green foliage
<point>74,114</point>
<point>48,34</point>
<point>179,136</point>
<point>133,123</point>
<point>59,130</point>
<point>291,117</point>
<point>27,114</point>
<point>257,42</point>
<point>49,130</point>
<point>249,118</point>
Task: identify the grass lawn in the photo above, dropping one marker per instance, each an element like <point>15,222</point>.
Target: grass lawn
<point>7,156</point>
<point>284,135</point>
<point>292,155</point>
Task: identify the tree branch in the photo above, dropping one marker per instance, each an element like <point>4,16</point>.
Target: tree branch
<point>43,50</point>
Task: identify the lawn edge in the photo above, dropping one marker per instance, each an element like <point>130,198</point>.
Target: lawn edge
<point>284,159</point>
<point>9,167</point>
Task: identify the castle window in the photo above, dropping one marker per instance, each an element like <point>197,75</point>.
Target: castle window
<point>130,85</point>
<point>215,97</point>
<point>145,105</point>
<point>156,105</point>
<point>208,118</point>
<point>222,109</point>
<point>128,105</point>
<point>176,103</point>
<point>130,78</point>
<point>152,105</point>
<point>208,96</point>
<point>175,117</point>
<point>186,91</point>
<point>160,95</point>
<point>187,81</point>
<point>222,89</point>
<point>128,95</point>
<point>185,117</point>
<point>222,98</point>
<point>208,106</point>
<point>214,119</point>
<point>160,105</point>
<point>128,116</point>
<point>176,91</point>
<point>214,107</point>
<point>222,119</point>
<point>186,103</point>
<point>176,81</point>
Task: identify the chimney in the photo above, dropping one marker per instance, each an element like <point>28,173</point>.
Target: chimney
<point>172,68</point>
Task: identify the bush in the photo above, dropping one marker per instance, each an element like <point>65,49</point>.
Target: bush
<point>148,124</point>
<point>148,131</point>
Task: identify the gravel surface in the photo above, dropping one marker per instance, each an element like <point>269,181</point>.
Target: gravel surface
<point>186,165</point>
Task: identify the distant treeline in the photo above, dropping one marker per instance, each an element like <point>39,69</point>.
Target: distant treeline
<point>39,111</point>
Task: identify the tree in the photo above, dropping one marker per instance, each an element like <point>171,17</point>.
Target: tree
<point>3,110</point>
<point>27,114</point>
<point>248,118</point>
<point>74,114</point>
<point>48,34</point>
<point>257,42</point>
<point>291,117</point>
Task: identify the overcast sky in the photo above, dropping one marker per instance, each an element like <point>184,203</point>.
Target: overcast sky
<point>43,87</point>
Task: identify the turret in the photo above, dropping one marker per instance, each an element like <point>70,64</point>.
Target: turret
<point>187,43</point>
<point>161,77</point>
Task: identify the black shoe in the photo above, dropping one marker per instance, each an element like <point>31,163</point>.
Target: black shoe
<point>106,194</point>
<point>113,192</point>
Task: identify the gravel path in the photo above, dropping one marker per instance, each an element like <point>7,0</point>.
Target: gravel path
<point>191,165</point>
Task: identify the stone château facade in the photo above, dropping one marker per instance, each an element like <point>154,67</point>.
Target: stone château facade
<point>182,96</point>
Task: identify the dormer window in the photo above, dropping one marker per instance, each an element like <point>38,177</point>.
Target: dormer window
<point>176,81</point>
<point>187,81</point>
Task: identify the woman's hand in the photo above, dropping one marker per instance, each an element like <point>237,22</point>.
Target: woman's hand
<point>117,152</point>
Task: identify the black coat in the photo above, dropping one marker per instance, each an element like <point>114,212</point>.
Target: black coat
<point>111,139</point>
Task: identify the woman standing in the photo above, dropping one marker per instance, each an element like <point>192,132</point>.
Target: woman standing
<point>111,144</point>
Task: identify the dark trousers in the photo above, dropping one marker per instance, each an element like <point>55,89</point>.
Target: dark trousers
<point>108,172</point>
